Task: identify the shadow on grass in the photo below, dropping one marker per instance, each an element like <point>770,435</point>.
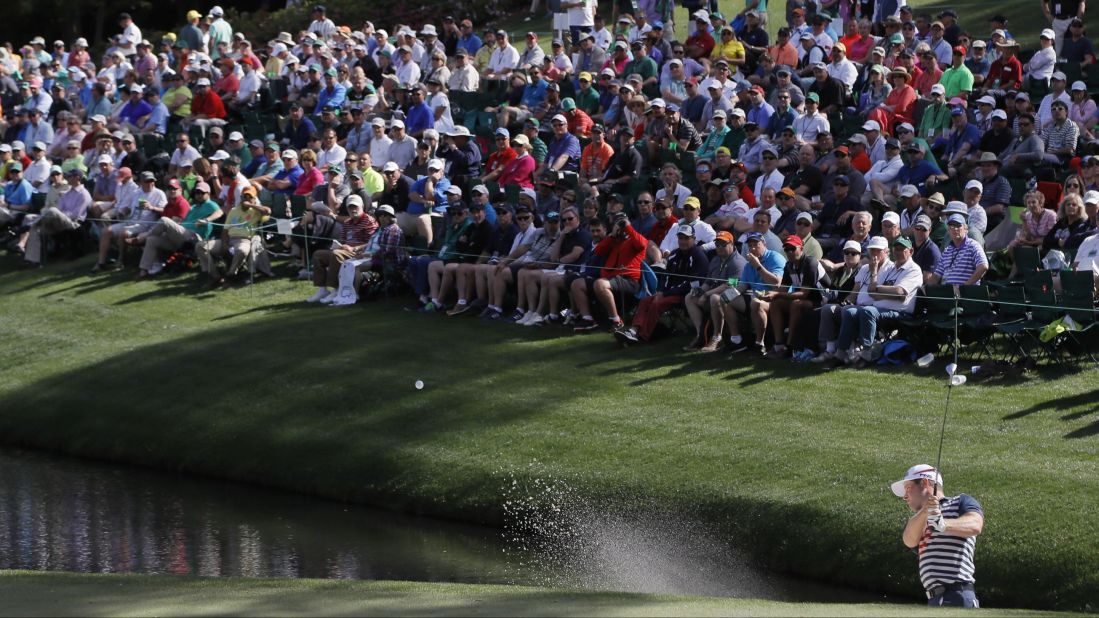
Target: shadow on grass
<point>336,406</point>
<point>1089,401</point>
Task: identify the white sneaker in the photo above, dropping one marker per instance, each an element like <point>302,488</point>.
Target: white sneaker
<point>321,294</point>
<point>305,274</point>
<point>327,300</point>
<point>535,320</point>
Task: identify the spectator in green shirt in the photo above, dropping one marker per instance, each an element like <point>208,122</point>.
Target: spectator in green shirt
<point>586,97</point>
<point>958,79</point>
<point>646,67</point>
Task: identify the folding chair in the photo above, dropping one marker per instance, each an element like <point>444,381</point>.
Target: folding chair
<point>1043,309</point>
<point>1014,323</point>
<point>1078,299</point>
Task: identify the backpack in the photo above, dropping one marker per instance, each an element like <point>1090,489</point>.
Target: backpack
<point>897,352</point>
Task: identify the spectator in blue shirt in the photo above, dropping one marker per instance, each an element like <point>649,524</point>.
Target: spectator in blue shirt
<point>333,94</point>
<point>135,109</point>
<point>564,149</point>
<point>781,118</point>
<point>760,111</point>
<point>918,170</point>
<point>960,144</point>
<point>17,196</point>
<point>428,194</point>
<point>286,180</point>
<point>299,128</point>
<point>419,116</point>
<point>157,122</point>
<point>469,40</point>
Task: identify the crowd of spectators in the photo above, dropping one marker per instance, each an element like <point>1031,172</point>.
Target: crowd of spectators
<point>791,194</point>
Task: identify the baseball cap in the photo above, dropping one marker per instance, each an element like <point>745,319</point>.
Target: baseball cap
<point>975,184</point>
<point>750,236</point>
<point>693,202</point>
<point>435,164</point>
<point>938,89</point>
<point>804,216</point>
<point>1058,75</point>
<point>148,177</point>
<point>385,209</point>
<point>891,217</point>
<point>852,245</point>
<point>391,166</point>
<point>957,111</point>
<point>909,191</point>
<point>841,179</point>
<point>793,240</point>
<point>919,471</point>
<point>289,153</point>
<point>454,190</point>
<point>104,159</point>
<point>685,230</point>
<point>1048,33</point>
<point>878,242</point>
<point>901,241</point>
<point>871,125</point>
<point>924,221</point>
<point>723,236</point>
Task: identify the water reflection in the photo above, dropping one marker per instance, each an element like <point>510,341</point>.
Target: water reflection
<point>74,515</point>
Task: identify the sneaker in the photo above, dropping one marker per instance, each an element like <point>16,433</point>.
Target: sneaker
<point>535,320</point>
<point>867,354</point>
<point>459,309</point>
<point>552,319</point>
<point>569,320</point>
<point>319,295</point>
<point>331,298</point>
<point>484,312</point>
<point>822,357</point>
<point>493,315</point>
<point>758,349</point>
<point>585,326</point>
<point>804,356</point>
<point>516,317</point>
<point>416,306</point>
<point>98,267</point>
<point>628,333</point>
<point>430,307</point>
<point>305,274</point>
<point>713,345</point>
<point>736,348</point>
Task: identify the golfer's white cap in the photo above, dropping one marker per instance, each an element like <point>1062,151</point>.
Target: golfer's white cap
<point>919,471</point>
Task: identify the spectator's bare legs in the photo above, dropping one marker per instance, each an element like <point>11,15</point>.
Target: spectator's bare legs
<point>759,319</point>
<point>605,296</point>
<point>533,289</point>
<point>579,295</point>
<point>500,285</point>
<point>434,278</point>
<point>450,273</point>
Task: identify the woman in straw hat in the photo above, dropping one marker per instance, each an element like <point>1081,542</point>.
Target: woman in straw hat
<point>900,103</point>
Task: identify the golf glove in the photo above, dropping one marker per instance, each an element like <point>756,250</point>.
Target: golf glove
<point>936,522</point>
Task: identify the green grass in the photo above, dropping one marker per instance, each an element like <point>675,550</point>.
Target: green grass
<point>67,594</point>
<point>789,464</point>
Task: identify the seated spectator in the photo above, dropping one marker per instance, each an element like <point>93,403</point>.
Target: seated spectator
<point>1037,222</point>
<point>623,251</point>
<point>569,252</point>
<point>1041,65</point>
<point>685,266</point>
<point>890,293</point>
<point>963,262</point>
<point>172,233</point>
<point>238,241</point>
<point>1061,136</point>
<point>924,251</point>
<point>1071,229</point>
<point>794,300</point>
<point>70,212</point>
<point>1026,150</point>
<point>530,252</point>
<point>705,300</point>
<point>762,273</point>
<point>841,291</point>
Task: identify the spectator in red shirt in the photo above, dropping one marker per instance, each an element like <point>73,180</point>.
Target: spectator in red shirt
<point>520,170</point>
<point>229,84</point>
<point>1006,72</point>
<point>622,250</point>
<point>701,43</point>
<point>177,206</point>
<point>500,159</point>
<point>580,123</point>
<point>207,109</point>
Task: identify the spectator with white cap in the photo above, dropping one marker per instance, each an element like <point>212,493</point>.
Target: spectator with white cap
<point>503,60</point>
<point>171,233</point>
<point>883,175</point>
<point>220,30</point>
<point>1057,93</point>
<point>37,129</point>
<point>1042,64</point>
<point>963,261</point>
<point>978,63</point>
<point>402,149</point>
<point>977,217</point>
<point>207,108</point>
<point>38,172</point>
<point>1082,110</point>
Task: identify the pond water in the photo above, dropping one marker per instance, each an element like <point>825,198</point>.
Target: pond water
<point>65,514</point>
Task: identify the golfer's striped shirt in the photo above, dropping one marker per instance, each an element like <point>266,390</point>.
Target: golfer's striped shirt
<point>947,559</point>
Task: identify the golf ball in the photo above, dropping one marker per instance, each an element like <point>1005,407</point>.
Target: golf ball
<point>419,385</point>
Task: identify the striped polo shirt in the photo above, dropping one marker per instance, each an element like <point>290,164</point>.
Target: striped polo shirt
<point>945,558</point>
<point>957,264</point>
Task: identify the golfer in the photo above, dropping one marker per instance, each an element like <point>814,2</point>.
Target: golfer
<point>944,533</point>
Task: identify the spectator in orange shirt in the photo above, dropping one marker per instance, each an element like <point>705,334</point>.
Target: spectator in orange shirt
<point>580,123</point>
<point>783,51</point>
<point>594,158</point>
<point>498,160</point>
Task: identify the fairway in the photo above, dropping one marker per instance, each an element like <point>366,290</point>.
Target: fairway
<point>788,464</point>
<point>65,594</point>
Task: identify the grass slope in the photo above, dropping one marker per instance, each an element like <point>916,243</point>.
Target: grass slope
<point>67,594</point>
<point>253,384</point>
